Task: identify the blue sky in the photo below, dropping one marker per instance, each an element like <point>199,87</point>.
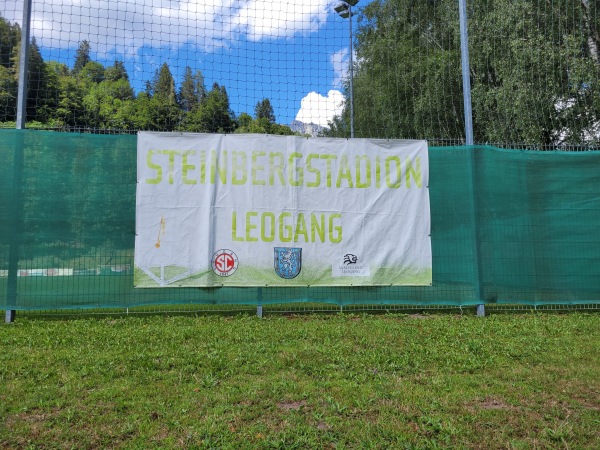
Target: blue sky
<point>296,55</point>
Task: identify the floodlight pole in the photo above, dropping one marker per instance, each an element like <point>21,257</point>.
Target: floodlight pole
<point>344,10</point>
<point>23,65</point>
<point>466,76</point>
<point>351,77</point>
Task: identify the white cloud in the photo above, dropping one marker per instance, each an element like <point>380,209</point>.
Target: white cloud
<point>128,25</point>
<point>339,61</point>
<point>341,65</point>
<point>259,19</point>
<point>319,109</point>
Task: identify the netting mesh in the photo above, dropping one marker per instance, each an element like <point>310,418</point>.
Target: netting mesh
<point>508,226</point>
<point>277,67</point>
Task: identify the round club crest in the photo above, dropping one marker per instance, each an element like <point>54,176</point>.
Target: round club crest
<point>224,262</point>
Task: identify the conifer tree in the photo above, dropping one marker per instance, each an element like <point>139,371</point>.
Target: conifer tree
<point>264,110</point>
<point>82,57</point>
<point>192,91</point>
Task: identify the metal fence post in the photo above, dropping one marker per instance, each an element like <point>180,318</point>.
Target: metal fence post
<point>259,308</point>
<point>13,252</point>
<point>466,79</point>
<point>16,214</point>
<point>10,316</point>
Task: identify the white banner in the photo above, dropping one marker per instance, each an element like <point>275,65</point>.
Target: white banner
<point>257,210</point>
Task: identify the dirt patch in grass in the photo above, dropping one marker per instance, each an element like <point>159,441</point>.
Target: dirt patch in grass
<point>323,426</point>
<point>291,406</point>
<point>493,403</point>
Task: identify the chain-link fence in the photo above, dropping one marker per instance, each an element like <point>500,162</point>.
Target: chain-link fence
<point>507,227</point>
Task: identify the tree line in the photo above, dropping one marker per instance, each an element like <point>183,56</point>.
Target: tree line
<point>91,96</point>
<point>534,72</point>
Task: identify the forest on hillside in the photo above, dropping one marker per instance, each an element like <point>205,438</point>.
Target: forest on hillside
<point>90,96</point>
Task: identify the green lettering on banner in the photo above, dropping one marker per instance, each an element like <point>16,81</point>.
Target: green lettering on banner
<point>186,167</point>
<point>153,166</point>
<point>217,166</point>
<point>289,229</point>
<point>263,227</point>
<point>416,172</point>
<point>300,228</point>
<point>250,226</point>
<point>171,154</point>
<point>293,168</point>
<point>282,226</point>
<point>337,236</point>
<point>359,182</point>
<point>314,171</point>
<point>317,228</point>
<point>276,168</point>
<point>234,236</point>
<point>256,169</point>
<point>203,167</point>
<point>388,170</point>
<point>238,163</point>
<point>328,158</point>
<point>344,173</point>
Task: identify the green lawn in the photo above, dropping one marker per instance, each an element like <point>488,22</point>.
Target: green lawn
<point>308,381</point>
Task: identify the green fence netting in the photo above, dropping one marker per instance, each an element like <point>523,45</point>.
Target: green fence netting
<point>508,226</point>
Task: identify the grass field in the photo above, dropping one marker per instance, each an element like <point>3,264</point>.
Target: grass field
<point>308,381</point>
